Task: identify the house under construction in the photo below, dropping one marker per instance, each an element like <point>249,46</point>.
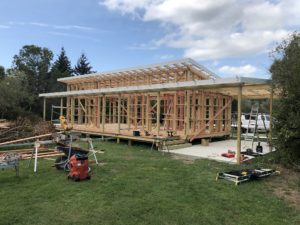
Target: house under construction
<point>179,98</point>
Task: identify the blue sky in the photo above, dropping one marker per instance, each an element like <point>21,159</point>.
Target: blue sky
<point>229,37</point>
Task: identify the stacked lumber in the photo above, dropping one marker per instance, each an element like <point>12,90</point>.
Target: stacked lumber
<point>42,153</point>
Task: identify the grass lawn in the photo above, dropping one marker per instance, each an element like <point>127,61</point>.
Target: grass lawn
<point>137,186</point>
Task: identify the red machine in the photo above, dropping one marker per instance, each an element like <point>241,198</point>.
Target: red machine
<point>79,168</point>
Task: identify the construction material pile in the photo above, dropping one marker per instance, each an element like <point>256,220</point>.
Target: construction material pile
<point>24,127</point>
<point>10,159</point>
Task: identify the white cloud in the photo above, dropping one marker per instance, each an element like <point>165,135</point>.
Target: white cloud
<point>53,26</point>
<point>4,26</point>
<point>143,46</point>
<point>238,70</point>
<point>63,27</point>
<point>166,56</point>
<point>84,37</point>
<point>216,29</point>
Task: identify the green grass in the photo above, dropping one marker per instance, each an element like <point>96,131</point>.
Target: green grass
<point>137,186</point>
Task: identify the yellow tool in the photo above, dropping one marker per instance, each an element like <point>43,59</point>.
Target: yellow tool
<point>64,124</point>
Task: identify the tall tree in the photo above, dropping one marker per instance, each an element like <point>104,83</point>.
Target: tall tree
<point>61,68</point>
<point>83,66</point>
<point>15,99</point>
<point>286,79</point>
<point>35,62</point>
<point>2,72</point>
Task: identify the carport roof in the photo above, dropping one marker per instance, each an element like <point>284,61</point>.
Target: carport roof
<point>255,88</point>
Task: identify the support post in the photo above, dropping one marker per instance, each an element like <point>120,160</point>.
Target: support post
<point>128,111</point>
<point>188,114</point>
<point>98,113</point>
<point>158,113</point>
<point>119,113</point>
<point>238,152</point>
<point>175,100</point>
<point>103,112</point>
<point>271,120</point>
<point>147,112</point>
<point>72,110</point>
<point>61,106</point>
<point>44,110</point>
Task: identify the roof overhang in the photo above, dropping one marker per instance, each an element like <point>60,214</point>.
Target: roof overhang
<point>252,88</point>
<point>165,66</point>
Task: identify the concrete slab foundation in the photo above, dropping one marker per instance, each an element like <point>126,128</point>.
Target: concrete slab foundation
<point>215,149</point>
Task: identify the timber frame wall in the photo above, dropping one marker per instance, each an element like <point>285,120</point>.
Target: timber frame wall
<point>189,113</point>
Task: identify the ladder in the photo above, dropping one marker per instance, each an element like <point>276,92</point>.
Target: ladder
<point>253,118</point>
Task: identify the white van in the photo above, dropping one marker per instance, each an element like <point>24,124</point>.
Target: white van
<point>261,119</point>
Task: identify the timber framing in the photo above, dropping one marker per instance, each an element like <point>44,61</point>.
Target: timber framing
<point>180,96</point>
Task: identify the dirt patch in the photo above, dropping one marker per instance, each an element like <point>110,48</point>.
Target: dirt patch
<point>287,186</point>
<point>184,159</point>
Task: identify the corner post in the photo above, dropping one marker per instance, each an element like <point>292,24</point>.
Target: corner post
<point>103,112</point>
<point>61,106</point>
<point>238,155</point>
<point>271,120</point>
<point>119,113</point>
<point>158,113</point>
<point>44,110</point>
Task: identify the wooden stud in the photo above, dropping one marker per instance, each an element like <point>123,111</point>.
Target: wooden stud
<point>135,111</point>
<point>103,112</point>
<point>72,110</point>
<point>175,100</point>
<point>147,112</point>
<point>119,113</point>
<point>239,115</point>
<point>158,113</point>
<point>128,112</point>
<point>86,111</point>
<point>271,119</point>
<point>44,109</point>
<point>98,113</point>
<point>187,114</point>
<point>61,106</point>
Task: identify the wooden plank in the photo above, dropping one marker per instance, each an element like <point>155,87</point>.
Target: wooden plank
<point>25,139</point>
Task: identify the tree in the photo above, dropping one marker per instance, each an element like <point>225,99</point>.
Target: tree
<point>286,79</point>
<point>61,68</point>
<point>2,72</point>
<point>83,66</point>
<point>15,99</point>
<point>34,62</point>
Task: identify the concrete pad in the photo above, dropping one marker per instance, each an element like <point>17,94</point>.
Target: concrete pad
<point>214,150</point>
